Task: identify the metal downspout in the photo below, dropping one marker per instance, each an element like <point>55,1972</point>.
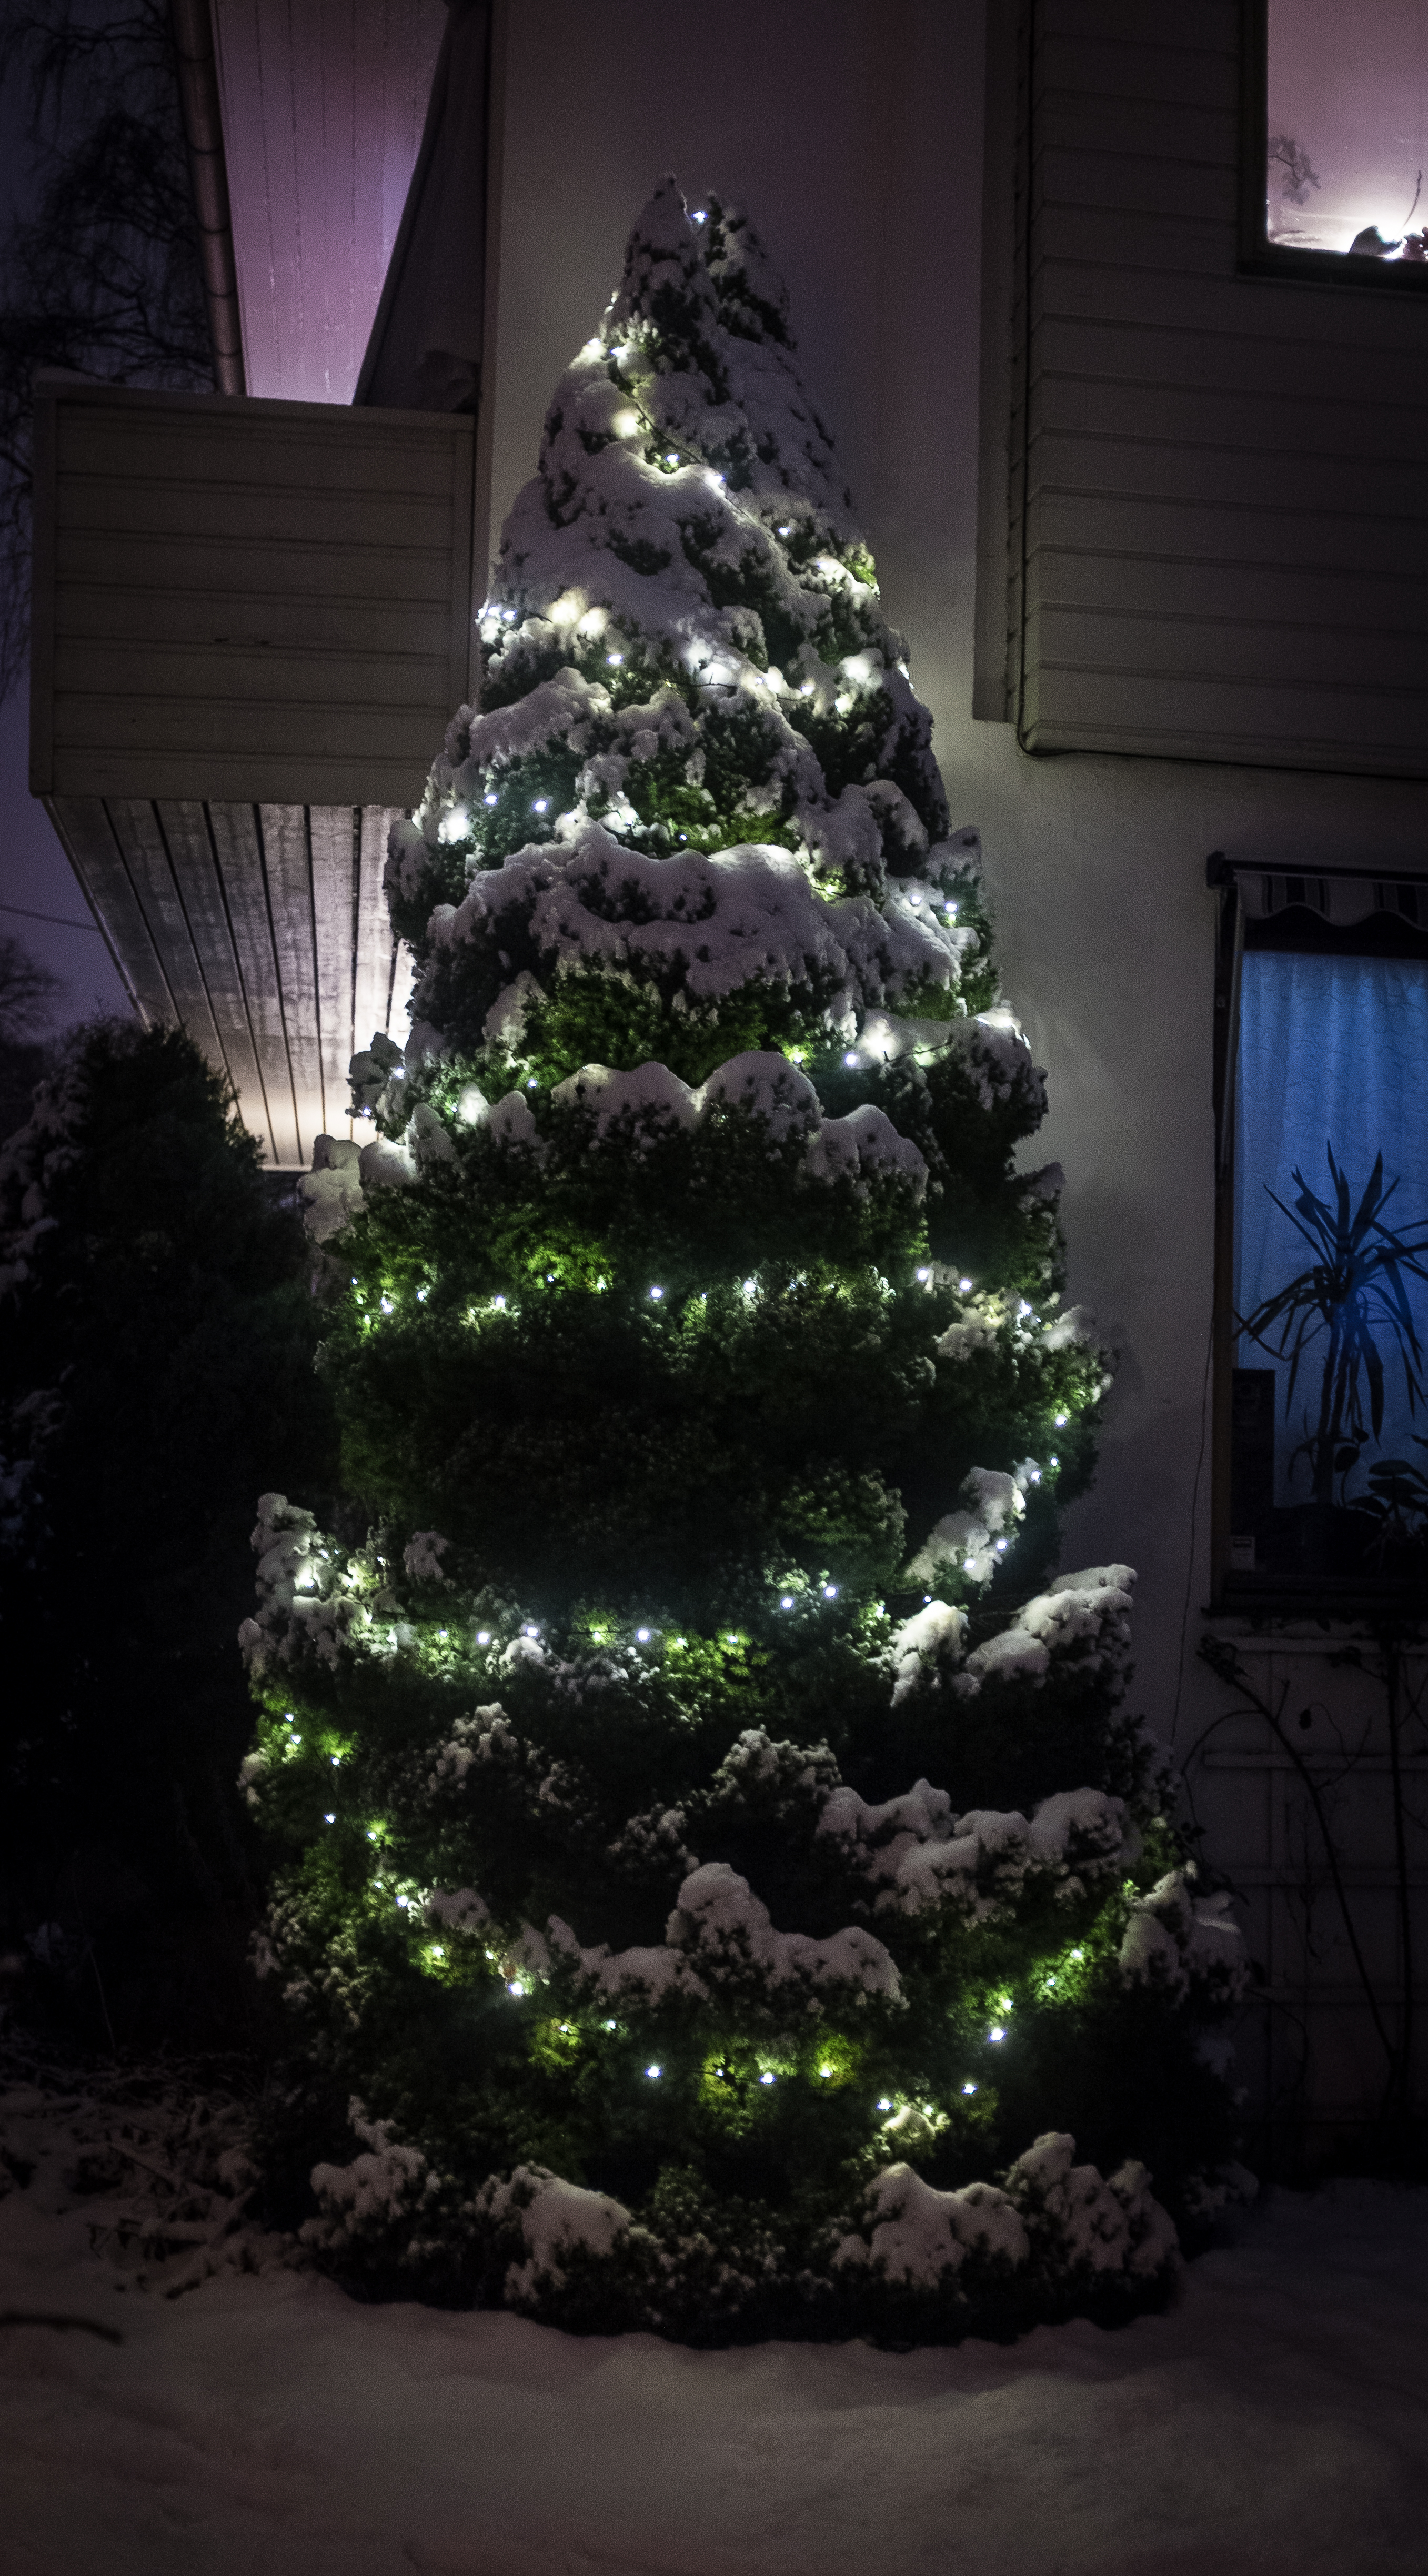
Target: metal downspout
<point>203,129</point>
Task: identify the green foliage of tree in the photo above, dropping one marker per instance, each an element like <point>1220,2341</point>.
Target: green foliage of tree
<point>155,1358</point>
<point>710,1846</point>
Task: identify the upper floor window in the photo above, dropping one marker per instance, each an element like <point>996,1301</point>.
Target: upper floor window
<point>1342,107</point>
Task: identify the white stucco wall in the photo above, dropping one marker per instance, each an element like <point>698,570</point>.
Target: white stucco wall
<point>854,137</point>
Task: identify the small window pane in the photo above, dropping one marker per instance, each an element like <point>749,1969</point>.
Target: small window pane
<point>1347,143</point>
<point>1333,1056</point>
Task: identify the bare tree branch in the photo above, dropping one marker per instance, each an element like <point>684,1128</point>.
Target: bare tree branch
<point>102,273</point>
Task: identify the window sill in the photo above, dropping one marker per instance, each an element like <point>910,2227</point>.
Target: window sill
<point>1347,1600</point>
<point>1341,268</point>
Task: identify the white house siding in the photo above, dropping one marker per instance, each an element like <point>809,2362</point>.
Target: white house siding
<point>245,599</point>
<point>855,137</point>
<point>1225,537</point>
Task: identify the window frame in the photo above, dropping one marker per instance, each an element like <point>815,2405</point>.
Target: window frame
<point>1259,256</point>
<point>1269,1594</point>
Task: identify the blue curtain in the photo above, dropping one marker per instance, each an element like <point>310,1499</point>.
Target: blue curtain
<point>1333,1050</point>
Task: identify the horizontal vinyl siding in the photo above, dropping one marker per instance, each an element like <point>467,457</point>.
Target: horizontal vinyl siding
<point>250,602</point>
<point>1219,536</point>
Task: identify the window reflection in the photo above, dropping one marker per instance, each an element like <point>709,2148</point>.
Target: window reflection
<point>1347,138</point>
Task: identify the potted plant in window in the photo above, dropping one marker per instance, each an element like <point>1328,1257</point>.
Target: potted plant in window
<point>1355,1292</point>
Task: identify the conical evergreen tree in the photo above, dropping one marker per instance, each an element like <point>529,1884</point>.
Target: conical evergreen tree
<point>712,1849</point>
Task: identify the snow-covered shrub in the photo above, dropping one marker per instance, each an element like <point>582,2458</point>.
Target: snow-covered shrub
<point>709,1830</point>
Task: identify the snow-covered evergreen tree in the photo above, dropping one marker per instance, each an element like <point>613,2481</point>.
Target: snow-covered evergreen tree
<point>719,1880</point>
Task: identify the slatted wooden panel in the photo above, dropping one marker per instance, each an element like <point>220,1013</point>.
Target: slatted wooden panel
<point>243,601</point>
<point>334,840</point>
<point>1219,522</point>
<point>372,987</point>
<point>261,929</point>
<point>1308,2051</point>
<point>323,107</point>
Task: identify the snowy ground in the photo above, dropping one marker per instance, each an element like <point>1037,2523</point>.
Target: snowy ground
<point>1274,2421</point>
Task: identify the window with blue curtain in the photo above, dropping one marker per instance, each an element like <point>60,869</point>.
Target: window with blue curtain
<point>1329,1476</point>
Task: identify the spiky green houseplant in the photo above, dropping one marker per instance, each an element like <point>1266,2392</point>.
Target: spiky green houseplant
<point>712,1853</point>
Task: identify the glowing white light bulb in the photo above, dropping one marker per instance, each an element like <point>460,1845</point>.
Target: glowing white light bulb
<point>500,1304</point>
<point>656,1293</point>
<point>651,2071</point>
<point>483,1636</point>
<point>615,659</point>
<point>1053,1460</point>
<point>787,529</point>
<point>749,1286</point>
<point>530,1629</point>
<point>513,1984</point>
<point>766,2079</point>
<point>884,2104</point>
<point>671,459</point>
<point>825,2072</point>
<point>964,1285</point>
<point>490,796</point>
<point>924,1274</point>
<point>329,1819</point>
<point>453,825</point>
<point>699,218</point>
<point>969,2088</point>
<point>830,1591</point>
<point>996,2033</point>
<point>387,1307</point>
<point>539,804</point>
<point>643,1635</point>
<point>1001,1547</point>
<point>952,909</point>
<point>1061,1420</point>
<point>787,1601</point>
